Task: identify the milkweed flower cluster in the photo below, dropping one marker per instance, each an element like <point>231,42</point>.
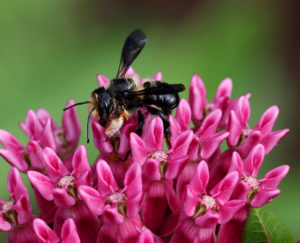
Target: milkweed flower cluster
<point>193,191</point>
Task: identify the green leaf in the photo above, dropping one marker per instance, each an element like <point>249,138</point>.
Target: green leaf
<point>264,226</point>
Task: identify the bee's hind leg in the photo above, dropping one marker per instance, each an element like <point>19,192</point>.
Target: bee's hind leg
<point>139,129</point>
<point>166,122</point>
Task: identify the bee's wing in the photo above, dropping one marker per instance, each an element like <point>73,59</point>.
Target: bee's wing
<point>133,45</point>
<point>160,90</point>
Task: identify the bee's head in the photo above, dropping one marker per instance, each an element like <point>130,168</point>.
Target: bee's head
<point>103,103</point>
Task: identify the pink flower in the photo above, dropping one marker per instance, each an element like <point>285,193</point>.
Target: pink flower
<point>119,207</point>
<point>200,107</point>
<point>16,214</point>
<point>202,210</point>
<point>41,128</point>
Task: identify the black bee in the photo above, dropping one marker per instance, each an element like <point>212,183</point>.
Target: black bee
<point>125,95</point>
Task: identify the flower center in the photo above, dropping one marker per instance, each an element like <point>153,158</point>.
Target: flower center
<point>251,181</point>
<point>66,181</point>
<point>206,202</point>
<point>7,206</point>
<point>159,156</point>
<point>116,198</point>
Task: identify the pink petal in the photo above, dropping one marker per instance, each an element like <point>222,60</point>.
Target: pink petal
<point>200,179</point>
<point>125,138</point>
<point>134,204</point>
<point>235,129</point>
<point>266,123</point>
<point>254,160</point>
<point>181,144</point>
<point>223,190</point>
<point>183,114</point>
<point>193,151</point>
<point>14,158</point>
<point>130,230</point>
<point>208,220</point>
<point>175,166</point>
<point>15,185</point>
<point>274,177</point>
<point>32,126</point>
<point>271,140</point>
<point>43,116</point>
<point>23,209</point>
<point>62,199</point>
<point>236,164</point>
<point>197,98</point>
<point>210,124</point>
<point>252,140</point>
<point>42,183</point>
<point>69,232</point>
<point>44,233</point>
<point>229,209</point>
<point>151,170</point>
<point>133,180</point>
<point>211,144</point>
<point>243,111</point>
<point>102,80</point>
<point>174,128</point>
<point>111,216</point>
<point>35,153</point>
<point>47,138</point>
<point>92,199</point>
<point>190,201</point>
<point>54,165</point>
<point>146,237</point>
<point>80,162</point>
<point>4,225</point>
<point>155,135</point>
<point>71,125</point>
<point>139,150</point>
<point>9,141</point>
<point>173,200</point>
<point>100,139</point>
<point>157,76</point>
<point>224,89</point>
<point>264,196</point>
<point>106,181</point>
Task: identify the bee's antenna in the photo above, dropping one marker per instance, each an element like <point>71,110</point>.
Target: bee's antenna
<point>80,103</point>
<point>88,125</point>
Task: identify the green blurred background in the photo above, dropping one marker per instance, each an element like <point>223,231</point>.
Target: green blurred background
<point>51,51</point>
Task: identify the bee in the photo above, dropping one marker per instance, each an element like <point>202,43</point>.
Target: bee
<point>126,96</point>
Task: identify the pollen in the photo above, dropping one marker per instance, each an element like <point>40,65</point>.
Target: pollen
<point>251,181</point>
<point>116,198</point>
<point>208,201</point>
<point>7,206</point>
<point>66,181</point>
<point>159,156</point>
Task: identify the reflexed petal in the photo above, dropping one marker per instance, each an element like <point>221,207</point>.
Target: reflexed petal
<point>173,200</point>
<point>35,153</point>
<point>197,98</point>
<point>4,225</point>
<point>208,220</point>
<point>181,144</point>
<point>193,151</point>
<point>274,177</point>
<point>264,196</point>
<point>139,150</point>
<point>14,158</point>
<point>100,139</point>
<point>62,199</point>
<point>224,189</point>
<point>102,80</point>
<point>80,162</point>
<point>54,165</point>
<point>155,135</point>
<point>125,138</point>
<point>190,201</point>
<point>229,209</point>
<point>224,89</point>
<point>252,140</point>
<point>33,128</point>
<point>133,180</point>
<point>175,166</point>
<point>111,216</point>
<point>44,233</point>
<point>236,164</point>
<point>71,124</point>
<point>211,144</point>
<point>151,170</point>
<point>9,141</point>
<point>106,181</point>
<point>92,199</point>
<point>200,179</point>
<point>272,139</point>
<point>69,232</point>
<point>41,183</point>
<point>210,124</point>
<point>157,76</point>
<point>47,138</point>
<point>253,162</point>
<point>183,114</point>
<point>243,110</point>
<point>23,209</point>
<point>15,184</point>
<point>146,237</point>
<point>235,129</point>
<point>266,123</point>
